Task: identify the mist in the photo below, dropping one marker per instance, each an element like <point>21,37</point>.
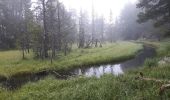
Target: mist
<point>84,49</point>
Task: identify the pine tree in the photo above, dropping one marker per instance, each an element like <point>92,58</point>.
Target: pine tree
<point>157,10</point>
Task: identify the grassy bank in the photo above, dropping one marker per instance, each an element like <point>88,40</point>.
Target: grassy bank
<point>163,47</point>
<point>11,62</point>
<point>108,87</point>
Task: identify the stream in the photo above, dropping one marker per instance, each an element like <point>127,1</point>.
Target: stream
<point>16,82</point>
<point>119,68</point>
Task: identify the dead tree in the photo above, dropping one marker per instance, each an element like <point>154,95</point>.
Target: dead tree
<point>81,30</point>
<point>58,27</point>
<point>93,23</point>
<point>45,35</point>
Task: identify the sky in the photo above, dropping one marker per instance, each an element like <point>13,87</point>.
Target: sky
<point>101,7</point>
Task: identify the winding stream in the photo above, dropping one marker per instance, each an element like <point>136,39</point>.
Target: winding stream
<point>116,69</point>
<point>16,82</point>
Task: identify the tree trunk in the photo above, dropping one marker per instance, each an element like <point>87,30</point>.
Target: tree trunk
<point>45,35</point>
<point>59,26</point>
<point>23,55</point>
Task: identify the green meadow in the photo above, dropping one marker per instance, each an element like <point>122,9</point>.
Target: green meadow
<point>11,62</point>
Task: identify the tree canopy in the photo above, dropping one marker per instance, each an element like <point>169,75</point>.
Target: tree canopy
<point>157,10</point>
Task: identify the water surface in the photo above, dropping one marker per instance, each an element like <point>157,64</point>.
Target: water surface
<point>116,69</point>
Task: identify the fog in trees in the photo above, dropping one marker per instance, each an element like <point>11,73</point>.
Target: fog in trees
<point>49,27</point>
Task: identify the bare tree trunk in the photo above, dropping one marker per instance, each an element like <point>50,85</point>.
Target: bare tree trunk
<point>93,24</point>
<point>23,49</point>
<point>96,45</point>
<point>65,49</point>
<point>52,48</point>
<point>81,31</point>
<point>102,32</point>
<point>23,54</point>
<point>59,26</point>
<point>45,35</point>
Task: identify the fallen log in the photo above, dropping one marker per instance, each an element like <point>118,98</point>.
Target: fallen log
<point>141,77</point>
<point>163,88</point>
<point>154,80</point>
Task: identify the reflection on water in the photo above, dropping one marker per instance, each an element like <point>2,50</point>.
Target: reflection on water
<point>99,71</point>
<point>116,69</point>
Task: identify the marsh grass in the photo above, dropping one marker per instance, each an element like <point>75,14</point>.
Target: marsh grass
<point>108,87</point>
<point>153,62</point>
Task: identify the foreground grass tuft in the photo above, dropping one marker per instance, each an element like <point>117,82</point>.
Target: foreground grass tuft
<point>108,87</point>
<point>151,62</point>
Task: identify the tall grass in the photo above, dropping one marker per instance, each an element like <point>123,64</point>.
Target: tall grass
<point>108,87</point>
<point>153,62</point>
<point>164,49</point>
